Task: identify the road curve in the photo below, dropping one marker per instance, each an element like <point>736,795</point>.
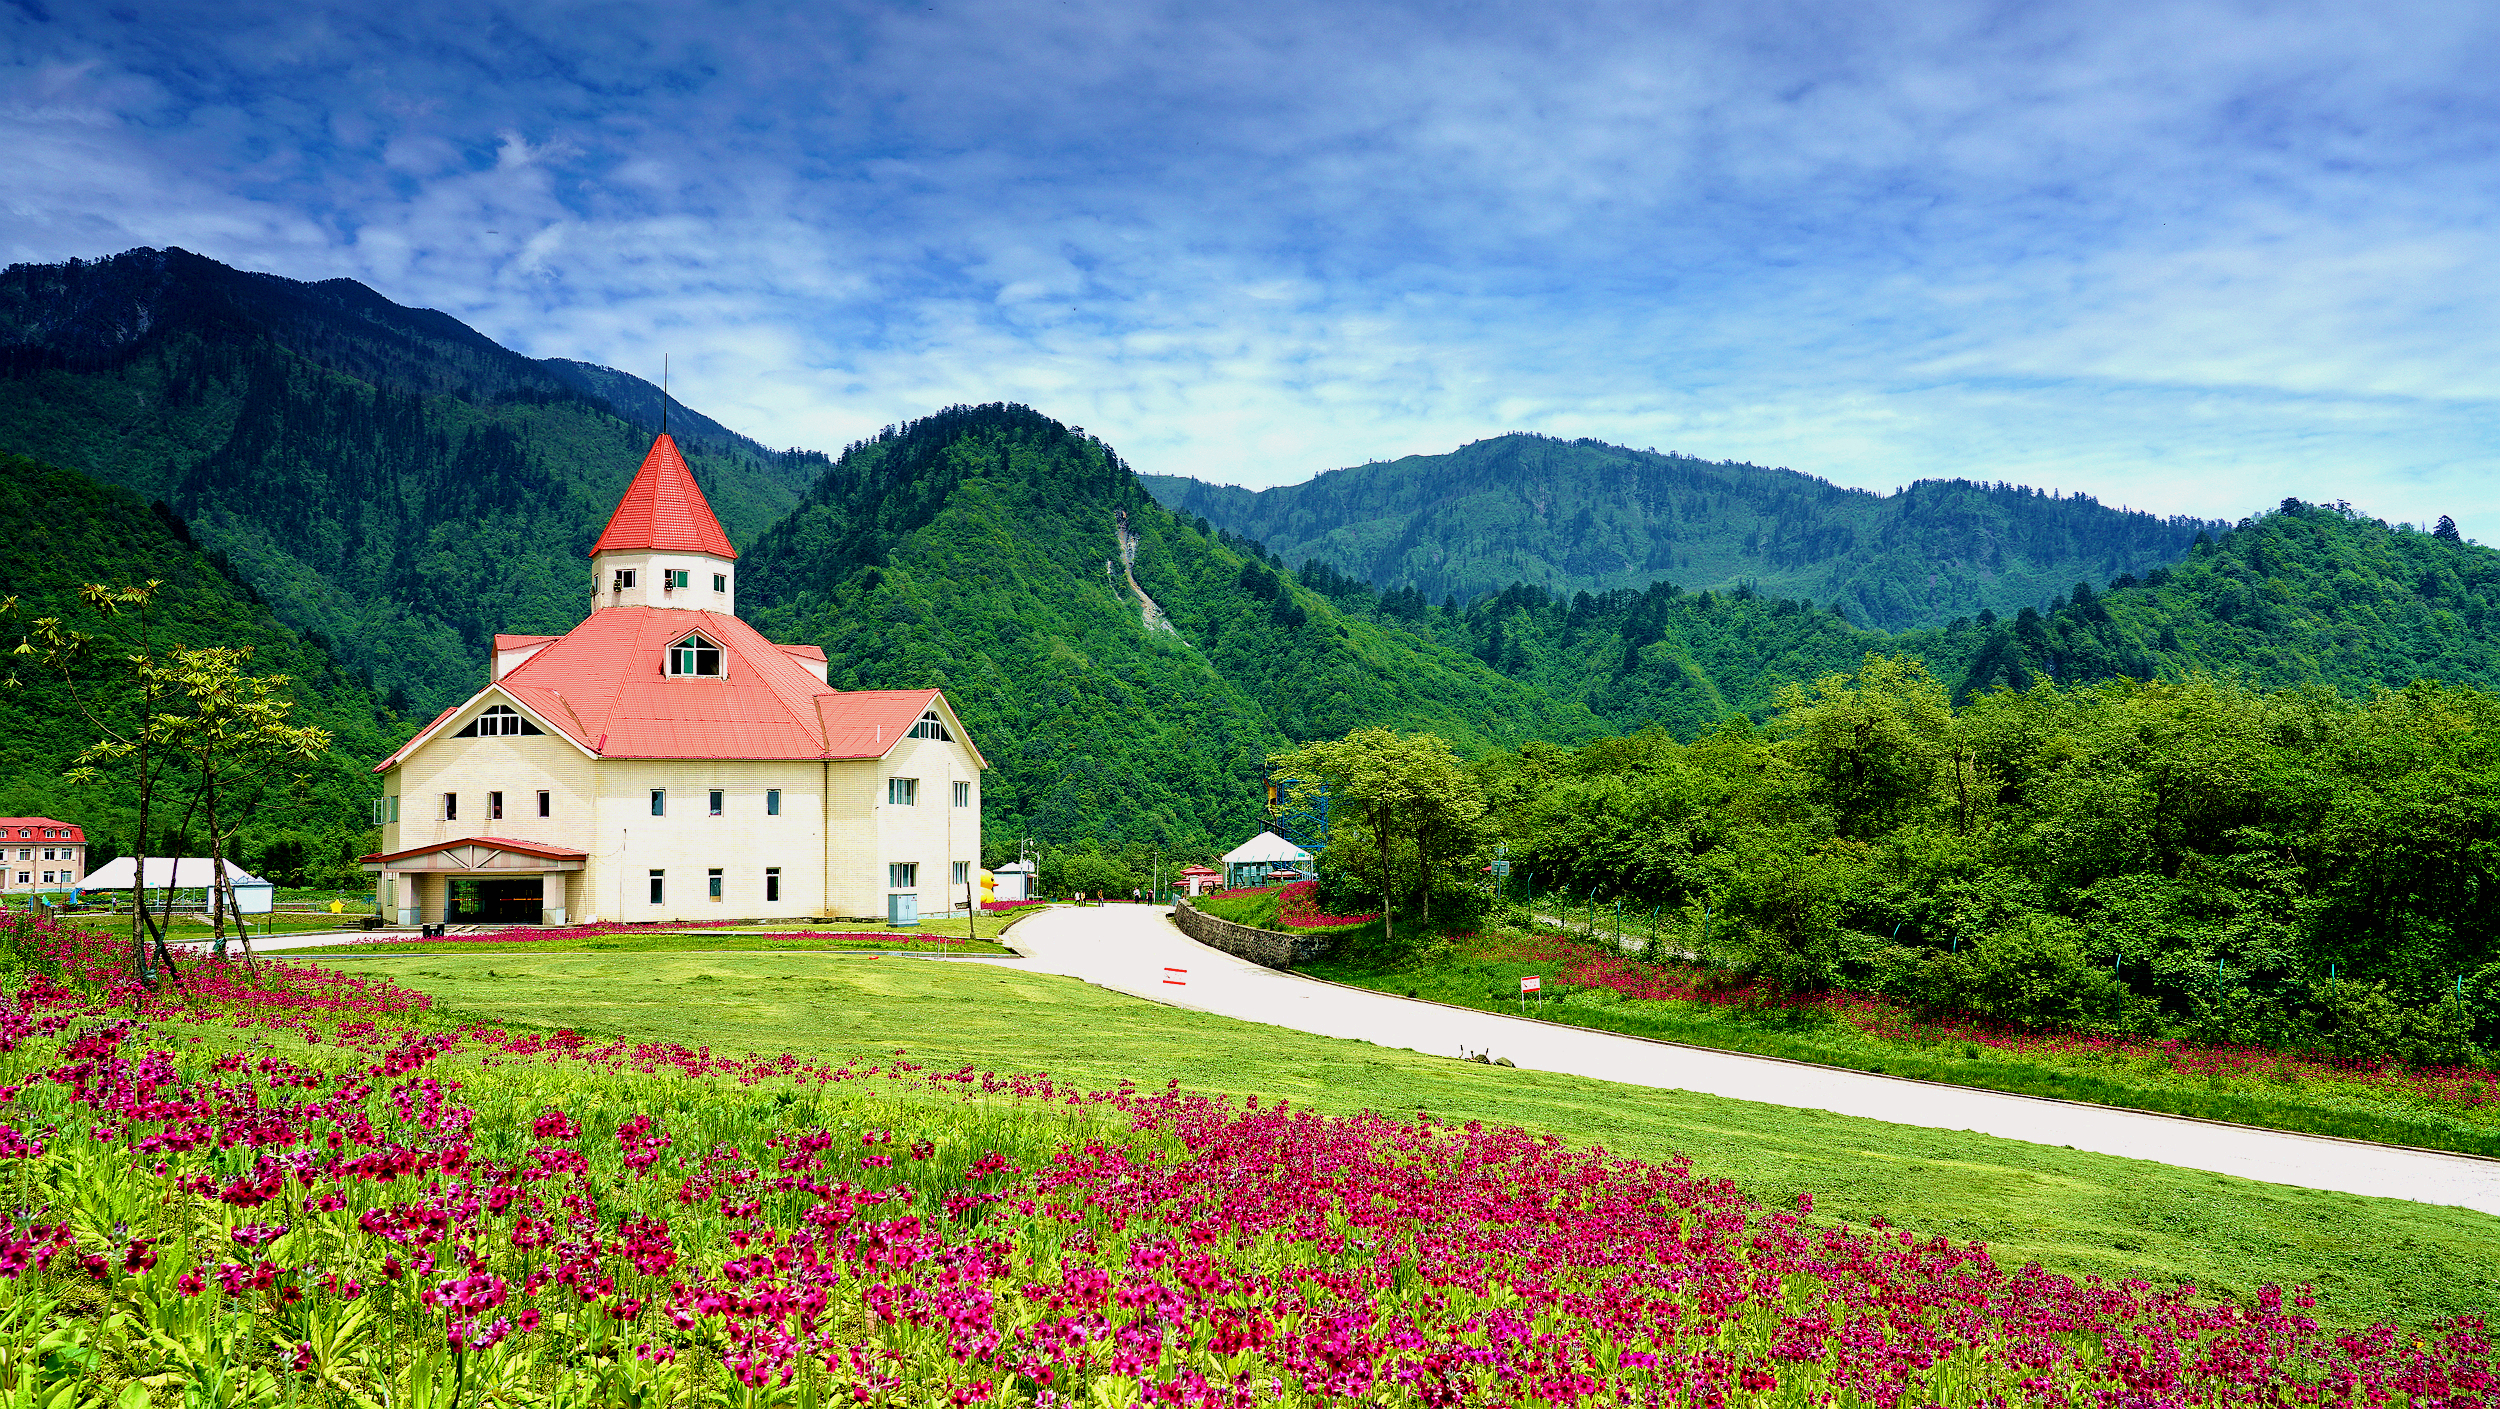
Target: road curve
<point>1136,949</point>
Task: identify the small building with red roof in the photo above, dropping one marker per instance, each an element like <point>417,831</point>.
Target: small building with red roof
<point>663,761</point>
<point>41,854</point>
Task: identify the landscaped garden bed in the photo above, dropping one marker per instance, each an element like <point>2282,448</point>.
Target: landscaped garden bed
<point>292,1187</point>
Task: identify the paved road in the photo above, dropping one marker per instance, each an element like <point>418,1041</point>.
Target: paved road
<point>1128,948</point>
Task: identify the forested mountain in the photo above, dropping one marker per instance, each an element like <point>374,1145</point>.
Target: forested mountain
<point>1571,516</point>
<point>386,476</point>
<point>59,530</point>
<point>390,485</point>
<point>980,550</point>
<point>2306,594</point>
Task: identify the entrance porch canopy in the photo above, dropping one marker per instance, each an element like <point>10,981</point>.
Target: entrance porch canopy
<point>473,854</point>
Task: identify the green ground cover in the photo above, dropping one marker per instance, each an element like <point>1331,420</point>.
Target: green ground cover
<point>2250,1088</point>
<point>2074,1211</point>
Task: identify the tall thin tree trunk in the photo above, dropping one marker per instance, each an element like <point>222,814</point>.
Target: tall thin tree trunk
<point>1388,878</point>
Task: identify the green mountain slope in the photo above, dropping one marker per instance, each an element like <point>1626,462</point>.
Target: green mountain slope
<point>385,476</point>
<point>60,529</point>
<point>979,550</point>
<point>1573,516</point>
<point>2304,594</point>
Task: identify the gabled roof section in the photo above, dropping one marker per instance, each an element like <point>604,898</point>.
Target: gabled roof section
<point>663,509</point>
<point>544,851</point>
<point>604,688</point>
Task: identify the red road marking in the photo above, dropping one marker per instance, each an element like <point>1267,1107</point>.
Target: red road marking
<point>1168,971</point>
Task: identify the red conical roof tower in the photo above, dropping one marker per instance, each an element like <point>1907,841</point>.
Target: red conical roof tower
<point>662,509</point>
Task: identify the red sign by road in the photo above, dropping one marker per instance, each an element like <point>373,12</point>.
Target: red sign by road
<point>1531,984</point>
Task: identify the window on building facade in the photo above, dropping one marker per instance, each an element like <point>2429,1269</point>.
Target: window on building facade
<point>385,809</point>
<point>659,802</point>
<point>47,878</point>
<point>659,886</point>
<point>673,578</point>
<point>963,873</point>
<point>720,582</point>
<point>902,792</point>
<point>963,794</point>
<point>451,807</point>
<point>498,719</point>
<point>772,802</point>
<point>494,807</point>
<point>696,655</point>
<point>544,804</point>
<point>902,875</point>
<point>712,878</point>
<point>25,878</point>
<point>772,883</point>
<point>625,578</point>
<point>930,727</point>
<point>47,854</point>
<point>715,802</point>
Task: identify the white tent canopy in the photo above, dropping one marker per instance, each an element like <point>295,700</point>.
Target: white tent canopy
<point>1249,863</point>
<point>166,872</point>
<point>1265,847</point>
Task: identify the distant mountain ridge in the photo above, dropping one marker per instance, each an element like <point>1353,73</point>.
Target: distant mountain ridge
<point>1580,515</point>
<point>385,476</point>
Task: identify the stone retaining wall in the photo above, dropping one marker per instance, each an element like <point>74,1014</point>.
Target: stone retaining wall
<point>1274,948</point>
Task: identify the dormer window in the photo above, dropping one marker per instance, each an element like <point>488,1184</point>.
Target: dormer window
<point>930,727</point>
<point>498,719</point>
<point>696,655</point>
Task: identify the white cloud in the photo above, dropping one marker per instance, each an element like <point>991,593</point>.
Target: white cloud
<point>2193,258</point>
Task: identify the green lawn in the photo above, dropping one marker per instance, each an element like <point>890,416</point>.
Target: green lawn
<point>2076,1212</point>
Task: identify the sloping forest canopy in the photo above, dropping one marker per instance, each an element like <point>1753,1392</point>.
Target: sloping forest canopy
<point>2285,866</point>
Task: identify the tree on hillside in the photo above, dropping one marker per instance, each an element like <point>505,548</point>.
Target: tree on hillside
<point>1403,790</point>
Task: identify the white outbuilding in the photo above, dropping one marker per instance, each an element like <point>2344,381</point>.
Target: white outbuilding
<point>1250,863</point>
<point>252,895</point>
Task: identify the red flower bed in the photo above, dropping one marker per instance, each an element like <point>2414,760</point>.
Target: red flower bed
<point>1295,906</point>
<point>1240,1255</point>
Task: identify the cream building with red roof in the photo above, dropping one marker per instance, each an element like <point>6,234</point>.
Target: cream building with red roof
<point>663,761</point>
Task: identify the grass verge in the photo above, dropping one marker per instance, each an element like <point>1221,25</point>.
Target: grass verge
<point>2371,1259</point>
<point>2319,1104</point>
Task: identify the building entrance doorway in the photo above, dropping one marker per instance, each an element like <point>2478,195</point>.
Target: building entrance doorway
<point>496,902</point>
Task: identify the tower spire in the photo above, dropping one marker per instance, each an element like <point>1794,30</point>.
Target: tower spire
<point>663,393</point>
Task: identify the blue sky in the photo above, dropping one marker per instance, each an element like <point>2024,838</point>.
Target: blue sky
<point>2187,257</point>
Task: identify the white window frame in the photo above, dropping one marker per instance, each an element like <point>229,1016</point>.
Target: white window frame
<point>963,793</point>
<point>494,807</point>
<point>902,875</point>
<point>659,887</point>
<point>772,885</point>
<point>962,874</point>
<point>713,798</point>
<point>659,802</point>
<point>690,650</point>
<point>902,792</point>
<point>772,802</point>
<point>712,883</point>
<point>720,582</point>
<point>451,807</point>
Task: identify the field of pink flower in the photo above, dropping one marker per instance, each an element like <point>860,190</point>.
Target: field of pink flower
<point>285,1186</point>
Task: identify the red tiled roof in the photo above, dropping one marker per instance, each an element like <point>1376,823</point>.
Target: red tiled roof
<point>544,851</point>
<point>605,686</point>
<point>663,509</point>
<point>32,829</point>
<point>514,643</point>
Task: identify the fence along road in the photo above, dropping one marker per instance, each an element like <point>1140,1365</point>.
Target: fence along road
<point>1127,948</point>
